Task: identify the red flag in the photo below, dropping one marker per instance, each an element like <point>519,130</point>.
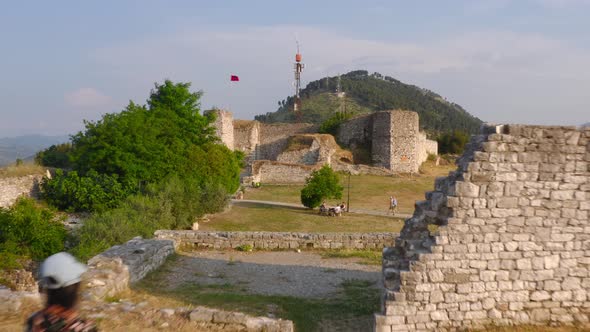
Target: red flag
<point>234,78</point>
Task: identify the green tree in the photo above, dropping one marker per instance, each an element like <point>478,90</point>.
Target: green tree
<point>93,192</point>
<point>322,184</point>
<point>55,156</point>
<point>453,142</point>
<point>146,144</point>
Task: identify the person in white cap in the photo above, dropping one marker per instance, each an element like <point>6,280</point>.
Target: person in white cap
<point>60,277</point>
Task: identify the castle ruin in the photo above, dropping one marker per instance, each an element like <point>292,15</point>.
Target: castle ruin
<point>513,239</point>
<point>289,152</point>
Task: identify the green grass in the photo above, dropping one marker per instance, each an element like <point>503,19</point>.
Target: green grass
<point>366,191</point>
<point>369,257</point>
<point>356,298</point>
<point>253,217</point>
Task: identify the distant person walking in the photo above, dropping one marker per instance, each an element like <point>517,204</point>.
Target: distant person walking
<point>393,204</point>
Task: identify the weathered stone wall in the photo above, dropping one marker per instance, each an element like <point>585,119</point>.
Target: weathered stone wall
<point>393,137</point>
<point>274,137</point>
<point>405,147</point>
<point>246,136</point>
<point>277,240</point>
<point>357,131</point>
<point>267,171</point>
<point>513,246</point>
<point>381,147</point>
<point>12,188</point>
<point>425,147</point>
<point>224,127</point>
<point>113,270</point>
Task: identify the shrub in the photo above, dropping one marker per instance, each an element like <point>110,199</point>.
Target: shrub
<point>323,183</point>
<point>172,204</point>
<point>28,231</point>
<point>55,156</point>
<point>453,143</point>
<point>245,247</point>
<point>332,125</point>
<point>93,192</point>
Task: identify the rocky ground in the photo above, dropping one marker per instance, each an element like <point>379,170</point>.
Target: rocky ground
<point>303,274</point>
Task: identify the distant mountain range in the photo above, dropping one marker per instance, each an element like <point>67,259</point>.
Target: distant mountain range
<point>25,147</point>
<point>364,93</point>
<point>587,124</point>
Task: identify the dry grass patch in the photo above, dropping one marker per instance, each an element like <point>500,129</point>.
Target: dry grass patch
<point>14,171</point>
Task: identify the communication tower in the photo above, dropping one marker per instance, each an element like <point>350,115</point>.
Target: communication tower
<point>298,67</point>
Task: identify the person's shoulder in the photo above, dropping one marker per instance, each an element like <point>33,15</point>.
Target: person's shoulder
<point>35,319</point>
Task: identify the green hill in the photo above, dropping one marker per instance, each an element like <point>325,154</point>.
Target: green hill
<point>369,93</point>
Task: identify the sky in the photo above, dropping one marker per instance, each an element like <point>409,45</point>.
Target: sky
<point>504,61</point>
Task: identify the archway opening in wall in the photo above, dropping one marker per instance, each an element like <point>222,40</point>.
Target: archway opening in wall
<point>346,160</point>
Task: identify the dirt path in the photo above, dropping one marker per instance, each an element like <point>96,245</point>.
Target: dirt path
<point>304,274</point>
<point>292,205</point>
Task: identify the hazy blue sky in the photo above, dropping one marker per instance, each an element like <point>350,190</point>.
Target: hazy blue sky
<point>505,61</point>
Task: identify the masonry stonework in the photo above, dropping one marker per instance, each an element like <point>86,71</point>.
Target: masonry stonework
<point>224,127</point>
<point>276,240</point>
<point>513,243</point>
<point>393,137</point>
<point>12,188</point>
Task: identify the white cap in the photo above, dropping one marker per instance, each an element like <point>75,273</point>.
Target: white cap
<point>61,270</point>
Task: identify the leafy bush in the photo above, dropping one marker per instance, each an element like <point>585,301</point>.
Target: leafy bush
<point>28,231</point>
<point>322,184</point>
<point>55,156</point>
<point>172,204</point>
<point>332,125</point>
<point>93,192</point>
<point>453,142</point>
<point>245,247</point>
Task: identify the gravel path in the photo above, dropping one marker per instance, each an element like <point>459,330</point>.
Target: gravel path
<point>304,274</point>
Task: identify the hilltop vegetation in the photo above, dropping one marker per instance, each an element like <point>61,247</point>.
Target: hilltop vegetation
<point>370,93</point>
<point>148,167</point>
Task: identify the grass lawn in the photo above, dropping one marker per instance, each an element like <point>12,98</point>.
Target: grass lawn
<point>252,217</point>
<point>366,191</point>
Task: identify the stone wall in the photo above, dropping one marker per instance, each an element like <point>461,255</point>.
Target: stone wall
<point>426,147</point>
<point>246,136</point>
<point>113,270</point>
<point>12,188</point>
<point>274,137</point>
<point>274,172</point>
<point>405,147</point>
<point>393,137</point>
<point>277,240</point>
<point>356,131</point>
<point>513,246</point>
<point>224,127</point>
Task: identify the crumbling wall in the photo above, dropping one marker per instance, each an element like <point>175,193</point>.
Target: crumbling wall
<point>267,171</point>
<point>405,147</point>
<point>356,132</point>
<point>12,188</point>
<point>246,136</point>
<point>425,147</point>
<point>276,240</point>
<point>274,137</point>
<point>513,243</point>
<point>224,127</point>
<point>115,269</point>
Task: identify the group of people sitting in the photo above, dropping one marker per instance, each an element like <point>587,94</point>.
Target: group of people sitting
<point>335,211</point>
